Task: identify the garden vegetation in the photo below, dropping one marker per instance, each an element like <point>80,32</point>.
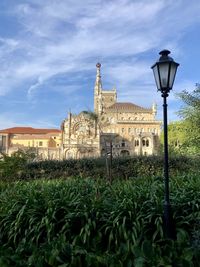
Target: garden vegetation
<point>68,214</point>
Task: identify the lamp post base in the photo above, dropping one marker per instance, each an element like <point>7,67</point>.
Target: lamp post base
<point>169,225</point>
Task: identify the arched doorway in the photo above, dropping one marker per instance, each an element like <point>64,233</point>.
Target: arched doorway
<point>124,153</point>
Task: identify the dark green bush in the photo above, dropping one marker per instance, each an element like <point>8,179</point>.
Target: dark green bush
<point>17,167</point>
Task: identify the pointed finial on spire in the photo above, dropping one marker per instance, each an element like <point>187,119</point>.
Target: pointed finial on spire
<point>98,84</point>
<point>98,65</point>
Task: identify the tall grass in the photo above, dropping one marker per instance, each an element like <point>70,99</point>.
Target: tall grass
<point>85,222</point>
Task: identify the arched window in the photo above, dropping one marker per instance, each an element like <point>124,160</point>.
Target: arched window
<point>147,142</point>
<point>68,155</point>
<point>123,143</point>
<point>136,142</point>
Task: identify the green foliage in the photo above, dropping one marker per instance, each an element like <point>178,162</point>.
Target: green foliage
<point>14,167</point>
<point>92,115</point>
<point>83,222</point>
<point>191,119</point>
<point>192,104</point>
<point>19,167</point>
<point>184,135</point>
<point>176,137</point>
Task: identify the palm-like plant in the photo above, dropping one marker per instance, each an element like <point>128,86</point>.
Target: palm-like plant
<point>100,123</point>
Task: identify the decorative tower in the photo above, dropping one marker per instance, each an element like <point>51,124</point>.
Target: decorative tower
<point>154,109</point>
<point>97,91</point>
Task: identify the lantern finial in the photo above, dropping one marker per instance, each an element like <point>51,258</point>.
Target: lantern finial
<point>164,52</point>
<point>164,55</point>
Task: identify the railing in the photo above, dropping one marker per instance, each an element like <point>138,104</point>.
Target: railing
<point>84,145</point>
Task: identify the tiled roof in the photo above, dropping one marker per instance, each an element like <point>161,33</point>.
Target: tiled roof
<point>128,107</point>
<point>29,130</point>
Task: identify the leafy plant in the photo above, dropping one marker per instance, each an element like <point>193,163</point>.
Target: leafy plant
<point>12,167</point>
<point>90,222</point>
<point>19,167</point>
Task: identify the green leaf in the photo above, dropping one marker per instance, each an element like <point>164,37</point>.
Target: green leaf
<point>147,249</point>
<point>139,262</point>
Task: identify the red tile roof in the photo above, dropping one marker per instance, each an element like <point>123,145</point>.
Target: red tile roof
<point>128,107</point>
<point>29,130</point>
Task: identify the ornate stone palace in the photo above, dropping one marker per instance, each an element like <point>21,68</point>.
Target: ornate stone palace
<point>114,127</point>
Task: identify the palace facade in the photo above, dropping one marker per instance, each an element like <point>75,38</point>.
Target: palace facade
<point>117,128</point>
<point>114,127</point>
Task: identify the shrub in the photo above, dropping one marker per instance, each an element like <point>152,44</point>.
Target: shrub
<point>83,222</point>
<point>19,166</point>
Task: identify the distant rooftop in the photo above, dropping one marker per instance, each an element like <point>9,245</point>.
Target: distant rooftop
<point>122,106</point>
<point>28,130</point>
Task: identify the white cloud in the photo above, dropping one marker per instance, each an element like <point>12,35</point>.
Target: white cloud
<point>102,28</point>
<point>70,36</point>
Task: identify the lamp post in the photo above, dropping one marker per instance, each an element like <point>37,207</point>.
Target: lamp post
<point>164,71</point>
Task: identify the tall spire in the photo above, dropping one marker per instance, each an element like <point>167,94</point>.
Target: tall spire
<point>98,83</point>
<point>154,109</point>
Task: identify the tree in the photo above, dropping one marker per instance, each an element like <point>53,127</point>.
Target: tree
<point>190,113</point>
<point>13,166</point>
<point>177,136</point>
<point>184,135</point>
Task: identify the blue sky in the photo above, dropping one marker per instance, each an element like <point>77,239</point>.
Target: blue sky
<point>49,49</point>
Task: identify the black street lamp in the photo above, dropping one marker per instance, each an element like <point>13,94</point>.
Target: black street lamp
<point>164,71</point>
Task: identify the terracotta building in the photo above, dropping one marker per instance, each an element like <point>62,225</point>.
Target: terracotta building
<point>44,142</point>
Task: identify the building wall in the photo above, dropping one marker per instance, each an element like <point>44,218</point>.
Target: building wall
<point>119,130</point>
<point>46,146</point>
<point>108,98</point>
<point>41,153</point>
<point>80,137</point>
<point>127,128</point>
<point>136,140</point>
<point>34,142</point>
<point>4,143</point>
